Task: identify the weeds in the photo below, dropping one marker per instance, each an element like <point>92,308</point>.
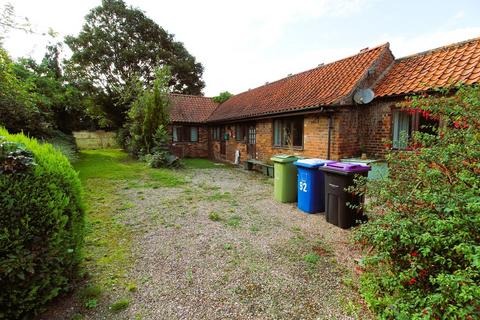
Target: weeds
<point>311,258</point>
<point>214,216</point>
<point>131,287</point>
<point>91,303</point>
<point>120,305</point>
<point>189,276</point>
<point>234,221</point>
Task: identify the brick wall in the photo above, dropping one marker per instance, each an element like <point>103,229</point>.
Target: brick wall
<point>345,140</point>
<point>231,145</point>
<point>315,140</point>
<point>375,123</point>
<point>193,149</point>
<point>354,127</point>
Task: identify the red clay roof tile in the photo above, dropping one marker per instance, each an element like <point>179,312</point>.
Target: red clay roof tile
<point>190,109</point>
<point>321,86</point>
<point>449,65</point>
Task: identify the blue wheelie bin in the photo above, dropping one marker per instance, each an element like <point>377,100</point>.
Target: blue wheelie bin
<point>310,185</point>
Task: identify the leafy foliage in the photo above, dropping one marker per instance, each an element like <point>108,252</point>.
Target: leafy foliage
<point>161,159</point>
<point>14,158</point>
<point>37,99</point>
<point>119,44</point>
<point>41,227</point>
<point>62,103</point>
<point>149,117</point>
<point>18,110</point>
<point>222,97</point>
<point>424,217</point>
<point>66,144</point>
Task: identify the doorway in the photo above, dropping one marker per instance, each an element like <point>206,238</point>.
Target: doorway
<point>251,141</point>
<point>223,143</point>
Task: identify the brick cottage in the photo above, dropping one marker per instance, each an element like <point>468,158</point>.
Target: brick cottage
<point>314,113</point>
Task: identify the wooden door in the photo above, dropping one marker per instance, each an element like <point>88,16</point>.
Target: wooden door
<point>223,143</point>
<point>251,141</point>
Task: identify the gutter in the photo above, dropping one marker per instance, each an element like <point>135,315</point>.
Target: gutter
<point>330,127</point>
<point>304,111</point>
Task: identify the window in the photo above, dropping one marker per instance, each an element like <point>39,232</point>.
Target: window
<point>240,132</point>
<point>185,134</point>
<point>288,132</point>
<point>405,123</point>
<point>427,125</point>
<point>252,135</point>
<point>216,133</point>
<point>401,129</point>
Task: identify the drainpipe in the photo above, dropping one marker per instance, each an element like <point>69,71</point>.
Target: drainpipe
<point>330,127</point>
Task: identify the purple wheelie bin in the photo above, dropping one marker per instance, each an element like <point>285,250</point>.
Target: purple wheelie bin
<point>338,177</point>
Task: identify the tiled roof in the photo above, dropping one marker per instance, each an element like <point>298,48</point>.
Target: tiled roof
<point>441,67</point>
<point>190,109</point>
<point>324,85</point>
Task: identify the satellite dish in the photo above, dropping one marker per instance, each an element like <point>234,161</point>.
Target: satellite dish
<point>363,96</point>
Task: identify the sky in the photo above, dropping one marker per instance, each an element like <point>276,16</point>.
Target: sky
<point>244,44</point>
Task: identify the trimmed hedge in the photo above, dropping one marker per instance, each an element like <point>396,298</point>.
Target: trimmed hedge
<point>41,227</point>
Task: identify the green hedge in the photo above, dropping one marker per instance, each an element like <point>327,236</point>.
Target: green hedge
<point>41,228</point>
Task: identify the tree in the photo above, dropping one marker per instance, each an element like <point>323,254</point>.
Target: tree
<point>18,108</point>
<point>423,240</point>
<point>148,117</point>
<point>62,104</point>
<point>222,97</point>
<point>119,44</point>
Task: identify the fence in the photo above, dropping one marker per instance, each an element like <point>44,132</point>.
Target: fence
<point>95,139</point>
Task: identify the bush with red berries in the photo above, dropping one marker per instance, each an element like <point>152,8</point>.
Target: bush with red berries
<point>422,241</point>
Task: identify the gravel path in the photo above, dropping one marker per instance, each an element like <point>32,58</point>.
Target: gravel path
<point>222,248</point>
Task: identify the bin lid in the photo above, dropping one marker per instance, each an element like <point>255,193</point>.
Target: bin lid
<point>361,161</point>
<point>284,158</point>
<point>312,163</point>
<point>348,167</point>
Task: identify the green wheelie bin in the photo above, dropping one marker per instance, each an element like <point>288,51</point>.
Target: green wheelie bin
<point>285,178</point>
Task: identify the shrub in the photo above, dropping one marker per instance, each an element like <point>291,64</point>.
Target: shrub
<point>41,225</point>
<point>423,235</point>
<point>161,159</point>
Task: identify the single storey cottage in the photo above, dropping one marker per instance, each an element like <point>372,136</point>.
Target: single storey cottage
<point>326,112</point>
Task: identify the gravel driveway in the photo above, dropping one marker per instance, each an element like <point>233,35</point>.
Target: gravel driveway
<point>222,248</point>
